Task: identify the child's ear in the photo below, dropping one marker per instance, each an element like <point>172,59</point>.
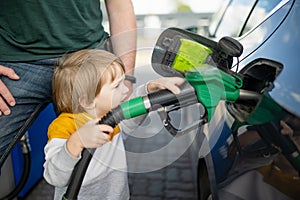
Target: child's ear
<point>85,104</point>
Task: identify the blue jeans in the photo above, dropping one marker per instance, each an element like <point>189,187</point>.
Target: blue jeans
<point>31,90</point>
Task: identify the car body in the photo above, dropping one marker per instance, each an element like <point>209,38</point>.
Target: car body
<point>254,145</point>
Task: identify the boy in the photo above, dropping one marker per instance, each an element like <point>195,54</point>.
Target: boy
<point>86,85</point>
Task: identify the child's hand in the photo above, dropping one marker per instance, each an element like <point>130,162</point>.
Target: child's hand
<point>170,83</point>
<point>90,135</point>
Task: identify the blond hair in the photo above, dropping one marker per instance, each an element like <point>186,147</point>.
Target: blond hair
<point>81,75</point>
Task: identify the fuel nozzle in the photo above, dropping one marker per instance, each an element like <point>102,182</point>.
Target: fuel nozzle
<point>208,85</point>
<point>213,85</point>
<point>141,105</point>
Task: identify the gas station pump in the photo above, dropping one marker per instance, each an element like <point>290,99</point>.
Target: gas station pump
<point>24,168</point>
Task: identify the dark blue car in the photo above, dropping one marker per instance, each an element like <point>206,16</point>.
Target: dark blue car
<point>254,144</point>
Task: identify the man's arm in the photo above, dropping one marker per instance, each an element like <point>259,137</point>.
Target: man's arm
<point>122,24</point>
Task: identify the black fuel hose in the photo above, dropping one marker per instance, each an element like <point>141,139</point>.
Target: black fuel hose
<point>112,119</point>
<point>25,174</point>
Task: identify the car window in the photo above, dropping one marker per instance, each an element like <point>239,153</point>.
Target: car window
<point>217,18</point>
<point>259,13</point>
<point>234,18</point>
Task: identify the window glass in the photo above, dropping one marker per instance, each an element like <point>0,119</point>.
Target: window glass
<point>217,17</point>
<point>260,12</point>
<point>234,18</point>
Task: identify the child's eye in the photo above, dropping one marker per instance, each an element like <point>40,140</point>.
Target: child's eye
<point>117,85</point>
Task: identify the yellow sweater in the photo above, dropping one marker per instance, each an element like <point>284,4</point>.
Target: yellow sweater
<point>67,123</point>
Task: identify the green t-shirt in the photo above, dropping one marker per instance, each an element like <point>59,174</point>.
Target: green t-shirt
<point>41,29</point>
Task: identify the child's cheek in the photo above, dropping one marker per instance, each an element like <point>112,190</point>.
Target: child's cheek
<point>115,101</point>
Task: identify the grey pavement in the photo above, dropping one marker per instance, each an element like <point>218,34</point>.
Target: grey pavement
<point>175,181</point>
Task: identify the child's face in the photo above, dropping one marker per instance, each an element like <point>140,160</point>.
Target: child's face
<point>111,95</point>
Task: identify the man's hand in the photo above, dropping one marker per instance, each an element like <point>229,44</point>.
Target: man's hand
<point>6,98</point>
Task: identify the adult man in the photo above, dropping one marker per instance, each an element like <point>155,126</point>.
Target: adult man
<point>35,34</point>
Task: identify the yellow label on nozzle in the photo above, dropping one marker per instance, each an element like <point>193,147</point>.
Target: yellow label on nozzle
<point>190,55</point>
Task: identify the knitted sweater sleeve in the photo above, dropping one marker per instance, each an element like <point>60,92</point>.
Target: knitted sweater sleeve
<point>59,164</point>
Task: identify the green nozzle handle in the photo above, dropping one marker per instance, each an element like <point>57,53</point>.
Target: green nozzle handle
<point>213,85</point>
